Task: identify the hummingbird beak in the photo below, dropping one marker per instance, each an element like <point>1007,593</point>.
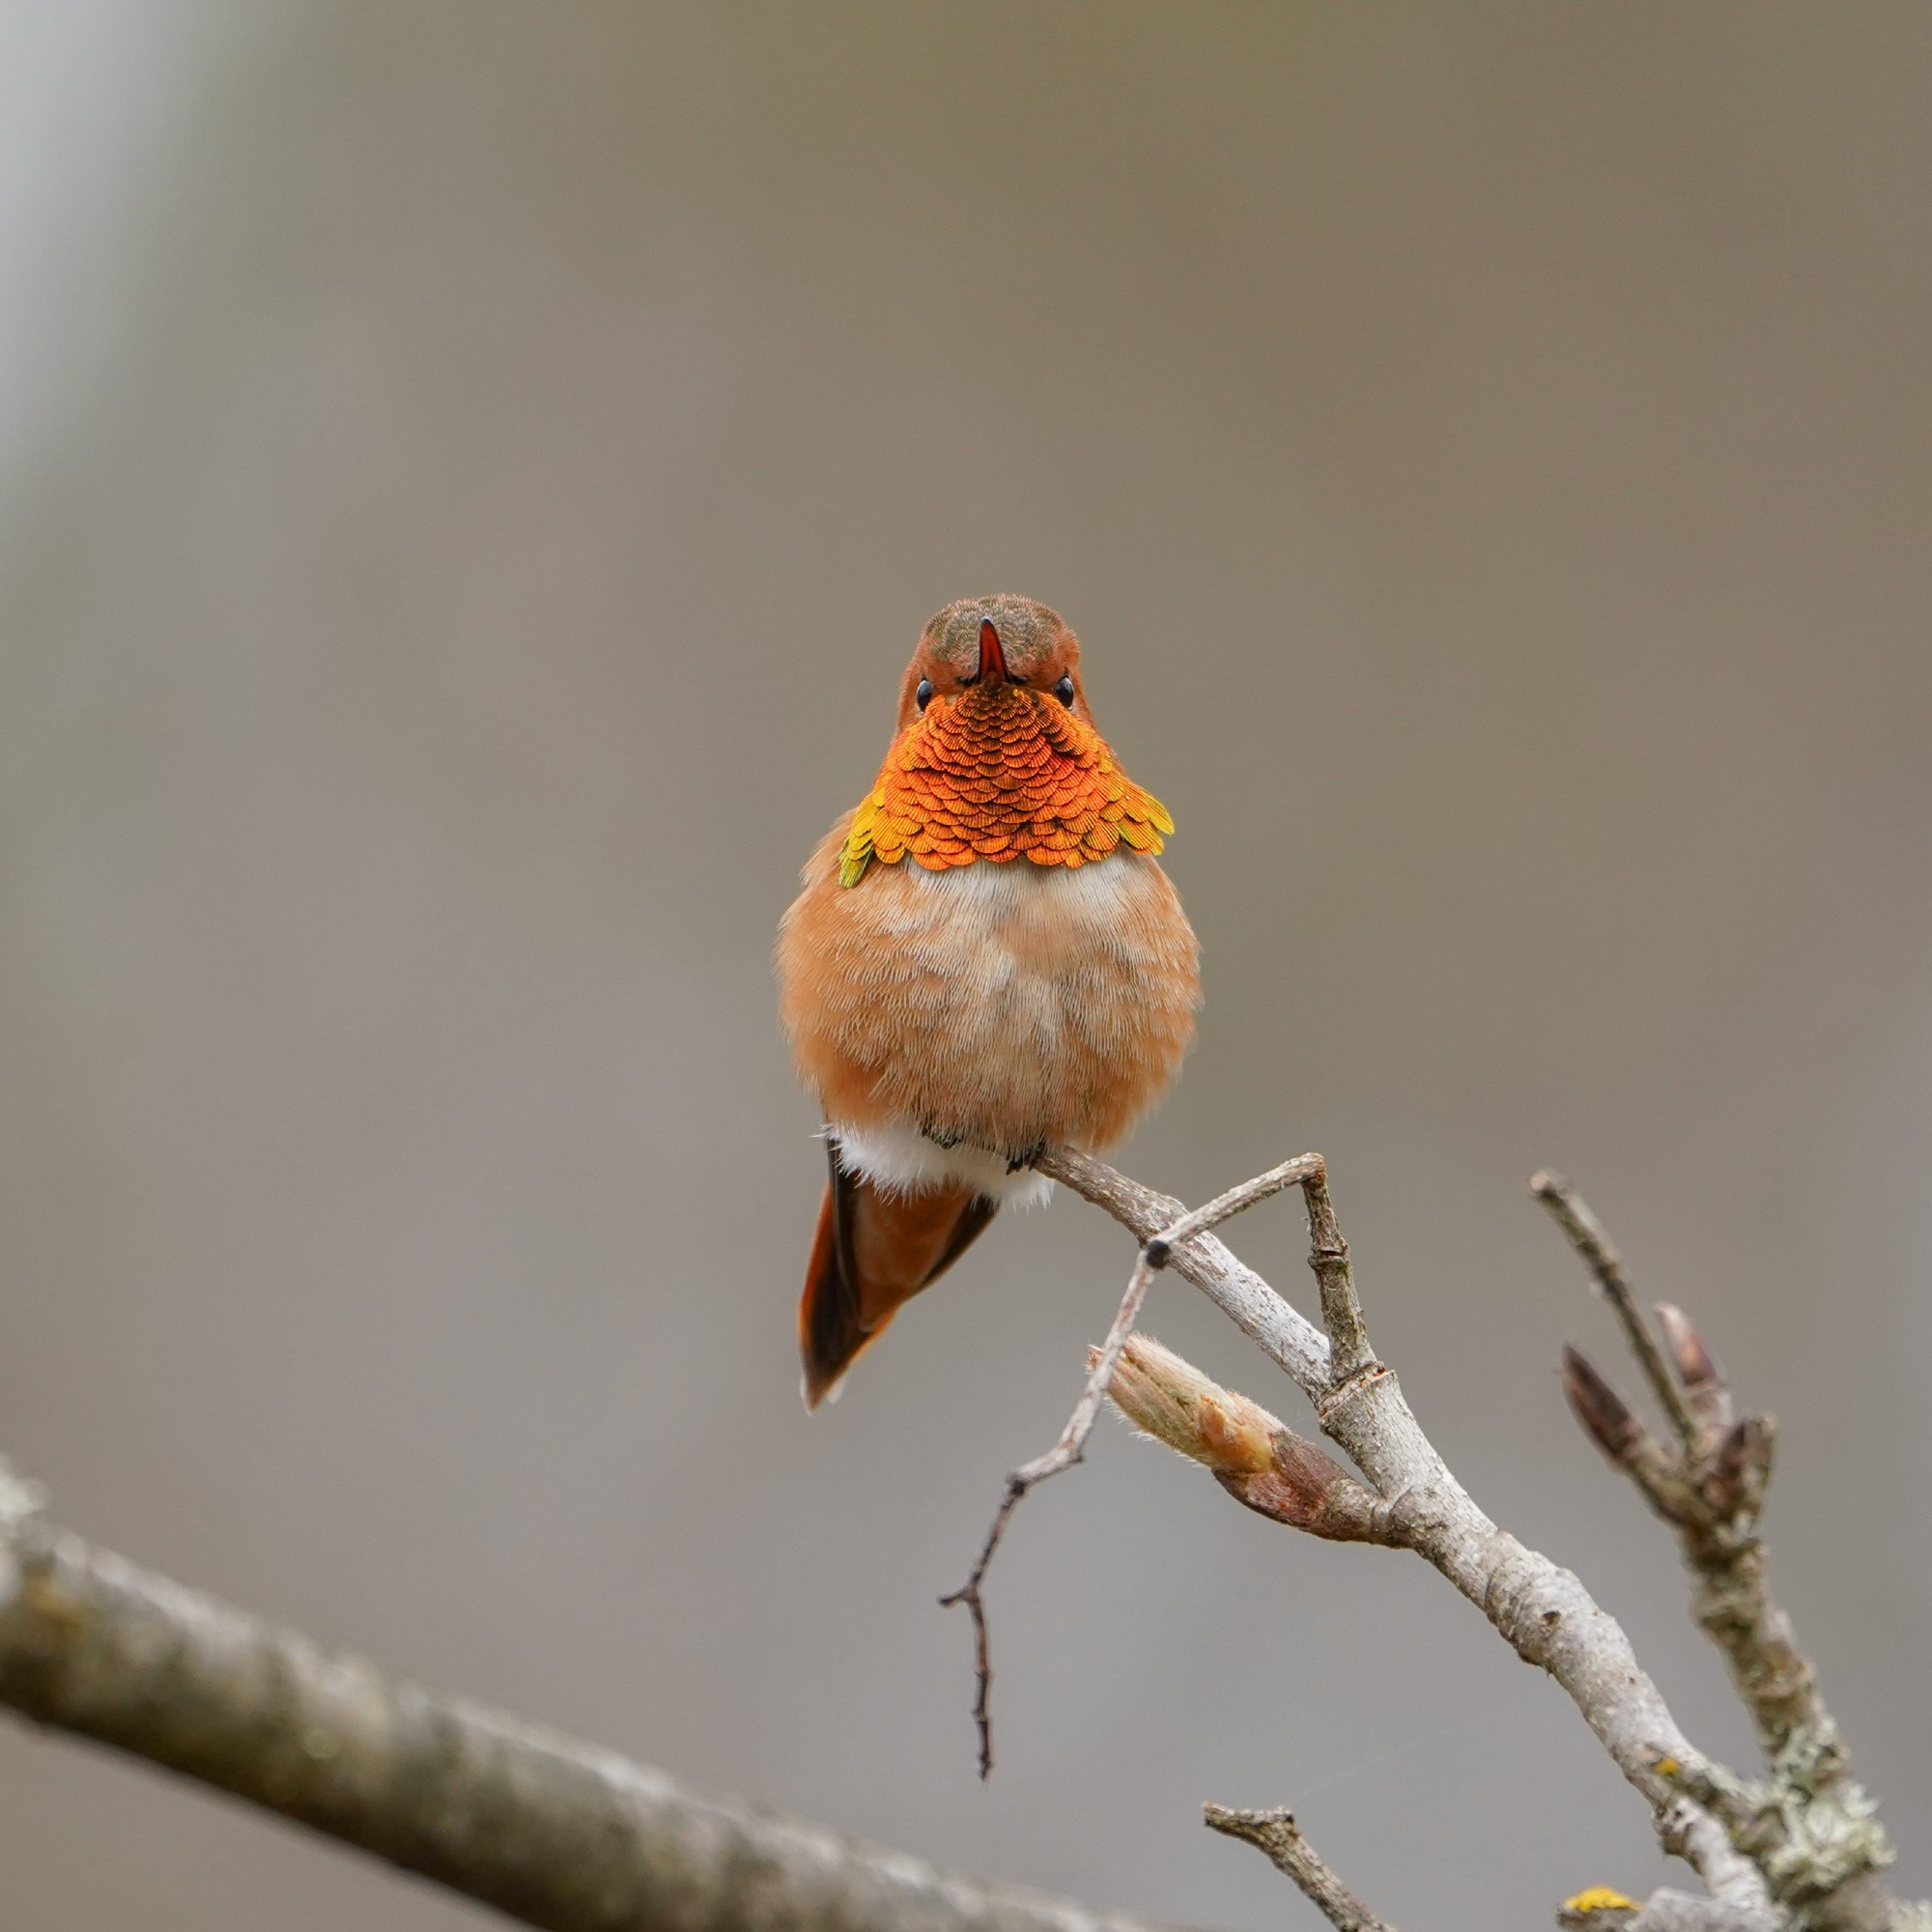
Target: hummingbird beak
<point>992,659</point>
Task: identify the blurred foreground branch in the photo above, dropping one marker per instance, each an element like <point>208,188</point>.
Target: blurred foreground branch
<point>554,1832</point>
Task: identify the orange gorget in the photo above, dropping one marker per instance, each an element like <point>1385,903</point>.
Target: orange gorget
<point>998,773</point>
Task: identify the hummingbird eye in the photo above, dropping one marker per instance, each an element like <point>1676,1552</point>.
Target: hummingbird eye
<point>1063,690</point>
<point>922,696</point>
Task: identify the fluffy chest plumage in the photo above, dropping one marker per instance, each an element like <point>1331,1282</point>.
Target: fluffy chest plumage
<point>997,1006</point>
<point>1017,948</point>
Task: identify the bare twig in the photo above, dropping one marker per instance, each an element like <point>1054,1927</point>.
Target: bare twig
<point>1540,1609</point>
<point>1276,1833</point>
<point>1587,1236</point>
<point>1293,1173</point>
<point>1156,1251</point>
<point>1348,1351</point>
<point>1071,1448</point>
<point>1280,1331</point>
<point>551,1831</point>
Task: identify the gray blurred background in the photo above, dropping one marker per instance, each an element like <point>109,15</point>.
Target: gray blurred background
<point>470,478</point>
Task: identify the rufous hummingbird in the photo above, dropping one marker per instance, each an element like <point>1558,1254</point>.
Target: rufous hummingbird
<point>986,960</point>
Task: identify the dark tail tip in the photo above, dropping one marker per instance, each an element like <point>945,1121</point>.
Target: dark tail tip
<point>829,1329</point>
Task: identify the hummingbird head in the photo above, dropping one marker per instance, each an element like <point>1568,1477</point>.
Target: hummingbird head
<point>994,645</point>
<point>996,756</point>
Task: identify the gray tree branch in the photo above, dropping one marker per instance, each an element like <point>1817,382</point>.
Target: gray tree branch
<point>1540,1609</point>
<point>551,1831</point>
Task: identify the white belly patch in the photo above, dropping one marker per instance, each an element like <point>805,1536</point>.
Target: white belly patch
<point>901,1161</point>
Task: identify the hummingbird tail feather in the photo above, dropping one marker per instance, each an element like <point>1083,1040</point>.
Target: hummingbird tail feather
<point>872,1252</point>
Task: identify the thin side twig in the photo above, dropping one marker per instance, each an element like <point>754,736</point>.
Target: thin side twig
<point>1589,1237</point>
<point>547,1830</point>
<point>1280,1330</point>
<point>1276,1832</point>
<point>1348,1351</point>
<point>1296,1173</point>
<point>1071,1448</point>
<point>1156,1249</point>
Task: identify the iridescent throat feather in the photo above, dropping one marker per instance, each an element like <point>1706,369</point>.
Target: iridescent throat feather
<point>1001,772</point>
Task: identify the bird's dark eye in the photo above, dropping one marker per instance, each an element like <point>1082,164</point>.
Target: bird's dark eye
<point>1063,690</point>
<point>922,696</point>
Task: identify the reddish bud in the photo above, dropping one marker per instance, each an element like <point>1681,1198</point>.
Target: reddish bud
<point>1703,1380</point>
<point>1741,1469</point>
<point>1601,1410</point>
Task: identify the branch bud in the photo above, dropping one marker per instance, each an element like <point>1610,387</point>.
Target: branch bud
<point>1176,1403</point>
<point>1704,1386</point>
<point>1625,1441</point>
<point>1308,1490</point>
<point>1255,1458</point>
<point>1741,1471</point>
<point>1601,1410</point>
